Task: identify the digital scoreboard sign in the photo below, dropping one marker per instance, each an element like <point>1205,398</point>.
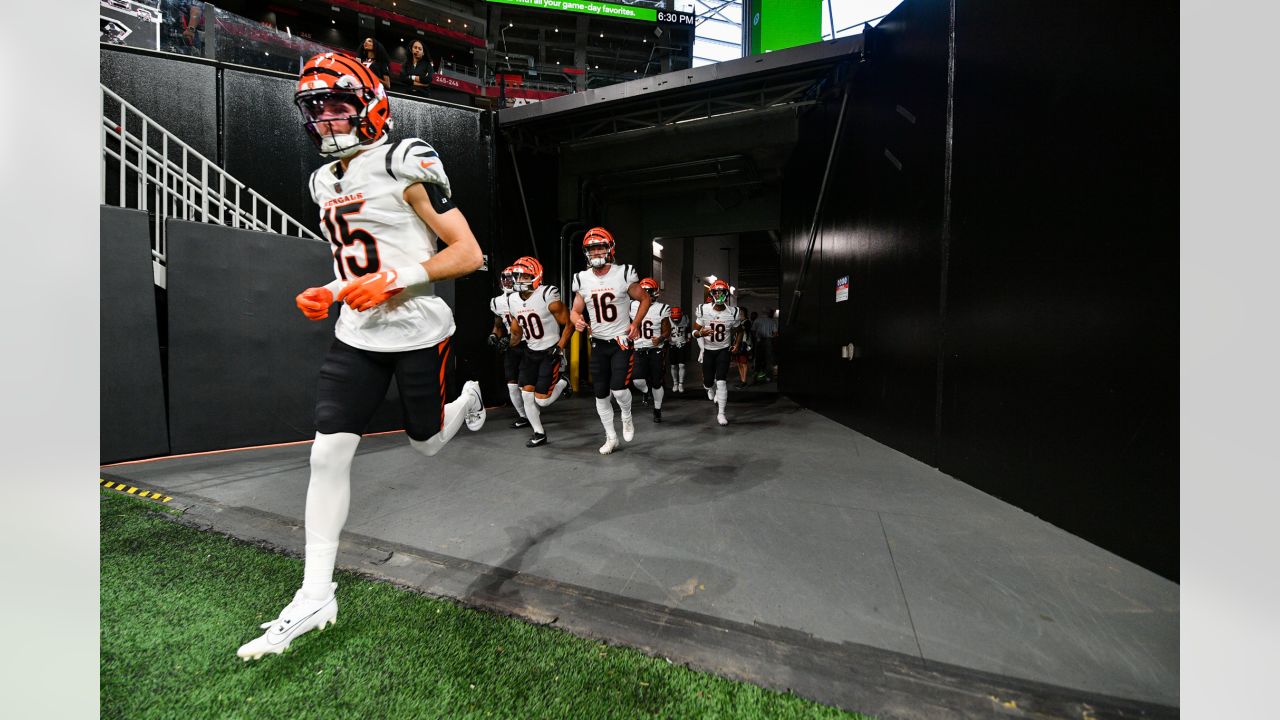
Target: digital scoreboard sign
<point>605,9</point>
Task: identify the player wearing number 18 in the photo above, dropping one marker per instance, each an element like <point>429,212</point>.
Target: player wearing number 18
<point>651,346</point>
<point>603,291</point>
<point>382,207</point>
<point>720,327</point>
<point>541,320</point>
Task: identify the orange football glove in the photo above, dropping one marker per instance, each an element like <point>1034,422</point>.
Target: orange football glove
<point>371,290</point>
<point>314,302</point>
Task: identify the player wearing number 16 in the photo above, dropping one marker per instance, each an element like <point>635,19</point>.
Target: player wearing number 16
<point>541,320</point>
<point>604,292</point>
<point>651,346</point>
<point>382,207</point>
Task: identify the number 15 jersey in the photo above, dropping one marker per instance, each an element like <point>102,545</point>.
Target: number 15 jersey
<point>370,227</point>
<point>608,305</point>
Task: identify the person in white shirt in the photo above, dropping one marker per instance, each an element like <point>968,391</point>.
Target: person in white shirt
<point>541,321</point>
<point>720,327</point>
<point>651,346</point>
<point>382,207</point>
<point>601,295</point>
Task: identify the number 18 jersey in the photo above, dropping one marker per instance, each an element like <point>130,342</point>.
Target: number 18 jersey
<point>721,322</point>
<point>608,305</point>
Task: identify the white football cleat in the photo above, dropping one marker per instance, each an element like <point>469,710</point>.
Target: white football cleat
<point>628,428</point>
<point>711,393</point>
<point>475,412</point>
<point>298,617</point>
<point>722,419</point>
<point>610,444</point>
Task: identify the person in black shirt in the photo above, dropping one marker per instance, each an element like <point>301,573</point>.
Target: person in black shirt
<point>373,56</point>
<point>417,72</point>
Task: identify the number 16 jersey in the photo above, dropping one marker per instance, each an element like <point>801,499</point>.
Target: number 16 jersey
<point>608,305</point>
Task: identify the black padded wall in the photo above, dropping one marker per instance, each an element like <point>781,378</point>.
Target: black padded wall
<point>1018,327</point>
<point>243,361</point>
<point>180,95</point>
<point>1061,375</point>
<point>132,411</point>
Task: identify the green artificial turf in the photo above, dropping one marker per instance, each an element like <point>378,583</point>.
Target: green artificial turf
<point>177,602</point>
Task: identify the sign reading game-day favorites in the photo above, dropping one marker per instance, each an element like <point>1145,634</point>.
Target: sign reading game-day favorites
<point>604,9</point>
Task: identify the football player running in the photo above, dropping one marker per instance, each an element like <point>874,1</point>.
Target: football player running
<point>512,350</point>
<point>678,355</point>
<point>651,346</point>
<point>541,321</point>
<point>720,327</point>
<point>601,291</point>
<point>382,208</point>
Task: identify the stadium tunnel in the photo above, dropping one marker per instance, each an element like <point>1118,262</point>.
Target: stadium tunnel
<point>966,218</point>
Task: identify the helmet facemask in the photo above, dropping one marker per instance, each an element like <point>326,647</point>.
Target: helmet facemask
<point>523,280</point>
<point>335,134</point>
<point>507,280</point>
<point>598,254</point>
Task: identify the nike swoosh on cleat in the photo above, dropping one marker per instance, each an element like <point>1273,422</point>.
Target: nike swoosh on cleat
<point>281,637</point>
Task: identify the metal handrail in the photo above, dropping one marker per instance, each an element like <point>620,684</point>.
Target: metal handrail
<point>185,184</point>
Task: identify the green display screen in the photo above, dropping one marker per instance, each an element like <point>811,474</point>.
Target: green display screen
<point>779,24</point>
<point>587,7</point>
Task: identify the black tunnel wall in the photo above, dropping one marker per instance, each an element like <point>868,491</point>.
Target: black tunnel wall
<point>1017,327</point>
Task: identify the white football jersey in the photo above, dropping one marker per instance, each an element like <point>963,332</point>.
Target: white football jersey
<point>538,326</point>
<point>651,326</point>
<point>721,322</point>
<point>608,305</point>
<point>680,332</point>
<point>500,306</point>
<point>370,227</point>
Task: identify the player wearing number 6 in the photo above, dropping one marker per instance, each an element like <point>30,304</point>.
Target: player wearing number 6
<point>720,327</point>
<point>382,207</point>
<point>603,291</point>
<point>541,320</point>
<point>651,346</point>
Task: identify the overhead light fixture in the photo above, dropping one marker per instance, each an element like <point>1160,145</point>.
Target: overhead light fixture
<point>711,278</point>
<point>449,20</point>
<point>601,34</point>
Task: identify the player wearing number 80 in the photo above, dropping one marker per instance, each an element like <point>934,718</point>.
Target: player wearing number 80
<point>720,327</point>
<point>603,291</point>
<point>541,320</point>
<point>651,346</point>
<point>382,208</point>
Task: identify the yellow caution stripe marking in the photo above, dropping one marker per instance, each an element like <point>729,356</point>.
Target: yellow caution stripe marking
<point>136,492</point>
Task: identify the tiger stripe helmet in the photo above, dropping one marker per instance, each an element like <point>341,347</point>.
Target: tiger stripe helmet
<point>595,239</point>
<point>530,269</point>
<point>719,292</point>
<point>650,286</point>
<point>330,78</point>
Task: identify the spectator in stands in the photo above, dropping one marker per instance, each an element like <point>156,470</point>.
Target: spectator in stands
<point>417,72</point>
<point>374,56</point>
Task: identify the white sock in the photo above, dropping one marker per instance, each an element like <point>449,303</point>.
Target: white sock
<point>532,412</point>
<point>641,385</point>
<point>681,378</point>
<point>604,408</point>
<point>657,397</point>
<point>555,393</point>
<point>454,413</point>
<point>623,397</point>
<point>517,402</point>
<point>675,374</point>
<point>328,498</point>
<point>722,394</point>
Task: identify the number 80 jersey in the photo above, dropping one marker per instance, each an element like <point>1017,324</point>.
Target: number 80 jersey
<point>608,305</point>
<point>370,227</point>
